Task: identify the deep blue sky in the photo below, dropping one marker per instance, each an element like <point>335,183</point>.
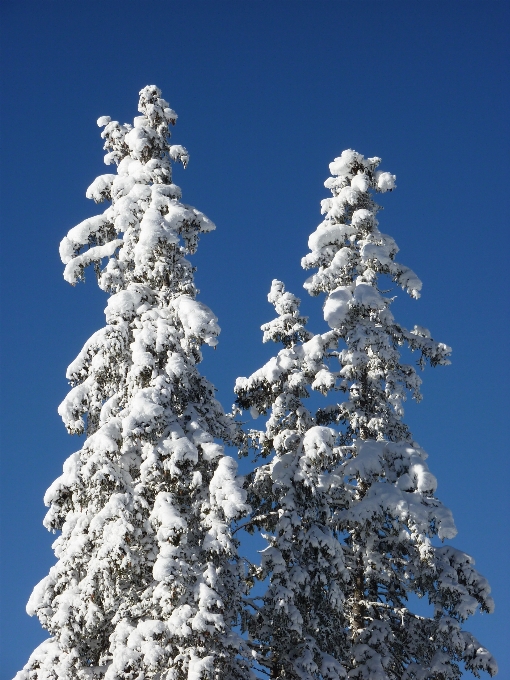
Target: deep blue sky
<point>267,93</point>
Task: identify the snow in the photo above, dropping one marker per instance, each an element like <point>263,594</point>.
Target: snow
<point>421,331</point>
<point>337,306</point>
<point>100,188</point>
<point>329,234</point>
<point>66,480</point>
<point>144,410</point>
<point>367,296</point>
<point>318,441</point>
<point>385,181</point>
<point>348,195</point>
<point>165,516</point>
<point>179,154</point>
<point>342,165</point>
<point>382,253</point>
<point>122,186</point>
<point>363,217</point>
<point>74,268</point>
<point>79,236</point>
<point>197,319</point>
<point>360,182</point>
<point>123,305</point>
<point>156,228</point>
<point>106,439</point>
<point>324,381</point>
<point>226,491</point>
<point>407,279</point>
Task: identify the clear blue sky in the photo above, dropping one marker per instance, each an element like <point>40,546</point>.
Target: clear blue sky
<point>267,93</point>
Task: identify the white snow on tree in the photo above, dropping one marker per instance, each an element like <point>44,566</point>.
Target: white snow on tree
<point>148,583</point>
<point>365,479</point>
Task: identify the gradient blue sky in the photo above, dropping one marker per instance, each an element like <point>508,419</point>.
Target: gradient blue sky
<point>267,93</point>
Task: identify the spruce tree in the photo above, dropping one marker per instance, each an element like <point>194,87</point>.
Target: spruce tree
<point>353,470</point>
<point>147,583</point>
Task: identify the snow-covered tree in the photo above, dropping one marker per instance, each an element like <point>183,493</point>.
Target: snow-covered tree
<point>148,583</point>
<point>365,480</point>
